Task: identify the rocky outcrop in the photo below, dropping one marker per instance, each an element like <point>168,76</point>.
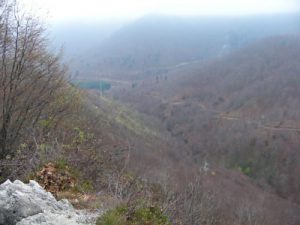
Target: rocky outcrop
<point>30,204</point>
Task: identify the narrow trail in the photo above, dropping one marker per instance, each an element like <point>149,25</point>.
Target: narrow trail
<point>280,128</point>
<point>259,124</point>
<point>171,67</point>
<point>221,115</point>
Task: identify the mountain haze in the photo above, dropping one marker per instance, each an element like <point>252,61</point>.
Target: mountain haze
<point>155,42</point>
<point>181,120</point>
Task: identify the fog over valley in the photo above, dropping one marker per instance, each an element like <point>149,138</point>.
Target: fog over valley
<point>150,112</point>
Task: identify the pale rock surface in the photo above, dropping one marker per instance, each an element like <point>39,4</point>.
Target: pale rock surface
<point>30,204</point>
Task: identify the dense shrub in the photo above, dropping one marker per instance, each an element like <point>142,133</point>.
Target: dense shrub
<point>150,215</point>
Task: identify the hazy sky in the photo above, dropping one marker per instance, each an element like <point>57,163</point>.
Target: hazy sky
<point>65,10</point>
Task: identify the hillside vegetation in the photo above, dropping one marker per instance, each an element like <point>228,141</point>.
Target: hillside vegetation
<point>240,111</point>
<point>211,142</point>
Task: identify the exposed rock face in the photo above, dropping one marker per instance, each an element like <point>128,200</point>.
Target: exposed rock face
<point>30,204</point>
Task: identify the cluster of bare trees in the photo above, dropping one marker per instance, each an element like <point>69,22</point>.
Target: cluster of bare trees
<point>30,76</point>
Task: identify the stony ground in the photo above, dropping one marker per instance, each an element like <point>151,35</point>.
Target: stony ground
<point>30,204</point>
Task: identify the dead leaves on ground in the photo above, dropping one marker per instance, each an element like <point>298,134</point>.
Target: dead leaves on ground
<point>55,180</point>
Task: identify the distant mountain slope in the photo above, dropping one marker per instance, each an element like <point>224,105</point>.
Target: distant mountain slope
<point>162,41</point>
<point>242,110</point>
<point>78,37</point>
<point>264,75</point>
<point>255,81</point>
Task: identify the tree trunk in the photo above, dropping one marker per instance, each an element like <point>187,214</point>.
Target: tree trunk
<point>3,140</point>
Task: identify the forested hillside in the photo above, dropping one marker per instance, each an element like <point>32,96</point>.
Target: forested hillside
<point>240,111</point>
<point>170,120</point>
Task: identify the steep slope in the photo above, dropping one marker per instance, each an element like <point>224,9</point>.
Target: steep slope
<point>149,147</point>
<point>96,151</point>
<point>240,111</point>
<point>160,158</point>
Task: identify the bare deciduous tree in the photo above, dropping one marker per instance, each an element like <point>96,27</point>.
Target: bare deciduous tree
<point>195,205</point>
<point>30,76</point>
